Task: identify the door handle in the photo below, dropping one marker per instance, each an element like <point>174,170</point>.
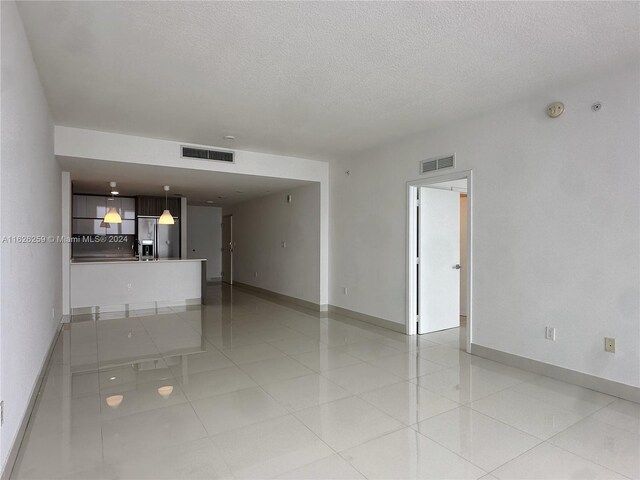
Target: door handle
<point>457,266</point>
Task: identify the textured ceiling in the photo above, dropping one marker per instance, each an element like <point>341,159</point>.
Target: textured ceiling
<point>314,79</point>
<point>93,176</point>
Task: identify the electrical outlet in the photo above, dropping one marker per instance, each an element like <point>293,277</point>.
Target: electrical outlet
<point>550,333</point>
<point>610,344</point>
<point>129,286</point>
<point>284,244</point>
<point>345,291</point>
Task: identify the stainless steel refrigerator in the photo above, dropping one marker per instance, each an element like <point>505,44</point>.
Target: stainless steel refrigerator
<point>165,239</point>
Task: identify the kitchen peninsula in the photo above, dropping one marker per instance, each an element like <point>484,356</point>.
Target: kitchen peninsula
<point>123,285</point>
<point>132,262</point>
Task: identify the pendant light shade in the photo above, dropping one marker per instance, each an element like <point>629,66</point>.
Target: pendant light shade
<point>112,216</point>
<point>166,218</point>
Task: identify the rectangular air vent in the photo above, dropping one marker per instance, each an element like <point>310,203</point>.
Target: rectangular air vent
<point>434,164</point>
<point>204,154</point>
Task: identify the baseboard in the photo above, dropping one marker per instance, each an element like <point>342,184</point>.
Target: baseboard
<point>282,297</point>
<point>124,308</point>
<point>33,397</point>
<point>610,387</point>
<point>363,317</point>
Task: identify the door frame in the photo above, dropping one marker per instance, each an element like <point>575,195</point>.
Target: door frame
<point>230,282</point>
<point>412,247</point>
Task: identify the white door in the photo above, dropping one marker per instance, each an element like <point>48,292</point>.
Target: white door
<point>439,264</point>
<point>227,249</point>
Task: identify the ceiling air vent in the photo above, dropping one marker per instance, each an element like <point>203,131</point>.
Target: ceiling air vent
<point>434,164</point>
<point>204,154</point>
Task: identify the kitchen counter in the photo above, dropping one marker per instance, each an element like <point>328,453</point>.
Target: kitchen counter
<point>111,285</point>
<point>98,260</point>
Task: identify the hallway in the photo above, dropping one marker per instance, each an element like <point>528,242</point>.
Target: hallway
<point>244,387</point>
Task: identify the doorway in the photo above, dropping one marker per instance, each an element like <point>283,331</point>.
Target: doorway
<point>227,249</point>
<point>439,257</point>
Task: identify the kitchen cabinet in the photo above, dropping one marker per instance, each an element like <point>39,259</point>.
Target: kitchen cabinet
<point>88,226</point>
<point>154,206</point>
<point>79,206</point>
<point>128,208</point>
<point>96,206</point>
<point>127,227</point>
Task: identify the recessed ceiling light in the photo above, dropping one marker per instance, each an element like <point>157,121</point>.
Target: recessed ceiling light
<point>209,201</point>
<point>229,137</point>
<point>112,378</point>
<point>114,192</point>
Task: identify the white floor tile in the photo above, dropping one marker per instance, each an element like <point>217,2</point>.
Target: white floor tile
<point>369,350</point>
<point>466,383</point>
<point>407,454</point>
<point>609,446</point>
<point>361,378</point>
<point>296,345</point>
<point>271,448</point>
<point>215,382</point>
<point>304,392</point>
<point>252,353</point>
<point>325,359</point>
<point>525,413</point>
<point>406,365</point>
<point>275,369</point>
<point>199,362</point>
<point>198,459</point>
<point>408,403</point>
<point>139,433</point>
<point>236,409</point>
<point>330,468</point>
<point>621,414</point>
<point>347,422</point>
<point>483,441</point>
<point>570,397</point>
<point>547,462</point>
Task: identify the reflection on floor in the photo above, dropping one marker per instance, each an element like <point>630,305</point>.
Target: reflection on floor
<point>247,388</point>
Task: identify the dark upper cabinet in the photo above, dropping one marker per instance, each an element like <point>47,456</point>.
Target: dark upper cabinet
<point>154,206</point>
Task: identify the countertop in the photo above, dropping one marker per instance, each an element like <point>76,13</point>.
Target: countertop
<point>101,261</point>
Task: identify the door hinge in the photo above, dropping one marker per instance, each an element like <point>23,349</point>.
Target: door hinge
<point>417,202</point>
<point>417,260</point>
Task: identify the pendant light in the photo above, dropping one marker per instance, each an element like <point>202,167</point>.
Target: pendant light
<point>112,215</point>
<point>166,218</point>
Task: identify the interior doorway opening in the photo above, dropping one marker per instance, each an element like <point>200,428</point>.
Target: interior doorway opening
<point>439,258</point>
<point>227,249</point>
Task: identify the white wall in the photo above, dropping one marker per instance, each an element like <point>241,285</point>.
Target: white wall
<point>259,228</point>
<point>30,202</point>
<point>80,143</point>
<point>204,237</point>
<point>556,225</point>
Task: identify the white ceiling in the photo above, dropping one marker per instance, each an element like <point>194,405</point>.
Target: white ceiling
<point>93,176</point>
<point>314,79</point>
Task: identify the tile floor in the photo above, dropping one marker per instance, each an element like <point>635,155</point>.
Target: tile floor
<point>246,388</point>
